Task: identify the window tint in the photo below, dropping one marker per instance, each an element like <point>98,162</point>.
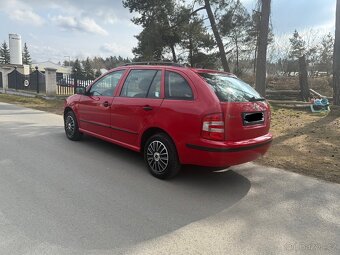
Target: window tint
<point>230,89</point>
<point>142,83</point>
<point>106,85</point>
<point>176,87</point>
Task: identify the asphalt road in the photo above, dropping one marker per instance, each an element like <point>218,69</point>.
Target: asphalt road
<point>91,197</point>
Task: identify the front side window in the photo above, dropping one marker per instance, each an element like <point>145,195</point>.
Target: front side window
<point>176,87</point>
<point>230,89</point>
<point>142,84</point>
<point>106,85</point>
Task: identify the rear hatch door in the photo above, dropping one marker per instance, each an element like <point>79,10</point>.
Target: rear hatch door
<point>246,113</point>
<point>245,120</point>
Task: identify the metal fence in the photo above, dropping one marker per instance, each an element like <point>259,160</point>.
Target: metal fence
<point>34,82</point>
<point>66,85</point>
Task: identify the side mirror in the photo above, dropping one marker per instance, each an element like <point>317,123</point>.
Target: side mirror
<point>80,90</point>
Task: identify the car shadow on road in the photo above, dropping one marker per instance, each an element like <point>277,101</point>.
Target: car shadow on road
<point>213,179</point>
<point>195,194</point>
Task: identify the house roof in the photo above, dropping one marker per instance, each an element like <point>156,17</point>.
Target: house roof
<point>49,64</point>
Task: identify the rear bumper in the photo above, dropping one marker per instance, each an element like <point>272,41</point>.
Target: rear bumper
<point>224,154</point>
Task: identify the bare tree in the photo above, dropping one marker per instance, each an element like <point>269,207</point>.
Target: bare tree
<point>217,36</point>
<point>261,61</point>
<point>336,57</point>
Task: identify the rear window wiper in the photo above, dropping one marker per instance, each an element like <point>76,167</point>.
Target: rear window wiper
<point>253,99</point>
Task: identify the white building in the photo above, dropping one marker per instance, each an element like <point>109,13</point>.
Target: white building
<point>15,49</point>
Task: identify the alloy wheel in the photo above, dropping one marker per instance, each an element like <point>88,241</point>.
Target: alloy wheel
<point>157,156</point>
<point>70,125</point>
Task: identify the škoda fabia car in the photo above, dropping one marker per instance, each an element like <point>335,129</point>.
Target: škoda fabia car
<point>173,115</point>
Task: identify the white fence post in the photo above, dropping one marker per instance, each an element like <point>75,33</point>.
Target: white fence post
<point>5,71</point>
<point>51,81</point>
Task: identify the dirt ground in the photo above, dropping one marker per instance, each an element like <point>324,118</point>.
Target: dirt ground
<point>304,142</point>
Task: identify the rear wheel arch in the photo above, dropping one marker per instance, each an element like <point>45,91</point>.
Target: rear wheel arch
<point>150,132</point>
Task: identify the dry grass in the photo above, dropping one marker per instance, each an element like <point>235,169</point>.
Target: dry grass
<point>54,106</point>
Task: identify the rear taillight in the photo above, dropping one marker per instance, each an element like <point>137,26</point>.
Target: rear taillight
<point>213,127</point>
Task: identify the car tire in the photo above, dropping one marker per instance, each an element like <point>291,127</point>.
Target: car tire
<point>71,127</point>
<point>160,156</point>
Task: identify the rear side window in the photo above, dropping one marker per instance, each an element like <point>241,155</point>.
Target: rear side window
<point>230,89</point>
<point>176,87</point>
<point>142,84</point>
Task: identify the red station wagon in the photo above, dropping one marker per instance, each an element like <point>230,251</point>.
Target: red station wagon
<point>174,115</point>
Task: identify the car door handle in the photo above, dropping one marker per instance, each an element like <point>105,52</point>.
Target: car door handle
<point>106,104</point>
<point>147,108</point>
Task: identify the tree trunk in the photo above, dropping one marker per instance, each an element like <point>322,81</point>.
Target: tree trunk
<point>336,58</point>
<point>237,55</point>
<point>261,61</point>
<point>303,78</point>
<point>255,54</point>
<point>174,58</point>
<point>217,36</point>
<point>255,58</point>
<point>191,55</point>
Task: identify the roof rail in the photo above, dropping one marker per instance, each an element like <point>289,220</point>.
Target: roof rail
<point>155,63</point>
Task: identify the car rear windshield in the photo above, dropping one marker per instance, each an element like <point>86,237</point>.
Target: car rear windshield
<point>230,89</point>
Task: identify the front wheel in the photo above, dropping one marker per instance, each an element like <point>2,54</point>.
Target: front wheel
<point>161,157</point>
<point>71,127</point>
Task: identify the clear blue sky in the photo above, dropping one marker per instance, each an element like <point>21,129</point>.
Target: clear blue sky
<point>54,29</point>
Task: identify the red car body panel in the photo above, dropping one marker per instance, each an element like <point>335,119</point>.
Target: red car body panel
<point>91,110</point>
<point>126,119</point>
<point>129,119</point>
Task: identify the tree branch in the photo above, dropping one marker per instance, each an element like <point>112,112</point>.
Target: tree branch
<point>191,14</point>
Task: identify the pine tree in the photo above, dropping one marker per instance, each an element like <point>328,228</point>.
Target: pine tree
<point>298,46</point>
<point>4,53</point>
<point>234,25</point>
<point>97,73</point>
<point>89,74</point>
<point>326,53</point>
<point>77,70</point>
<point>26,57</point>
<point>196,40</point>
<point>157,19</point>
<point>298,51</point>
